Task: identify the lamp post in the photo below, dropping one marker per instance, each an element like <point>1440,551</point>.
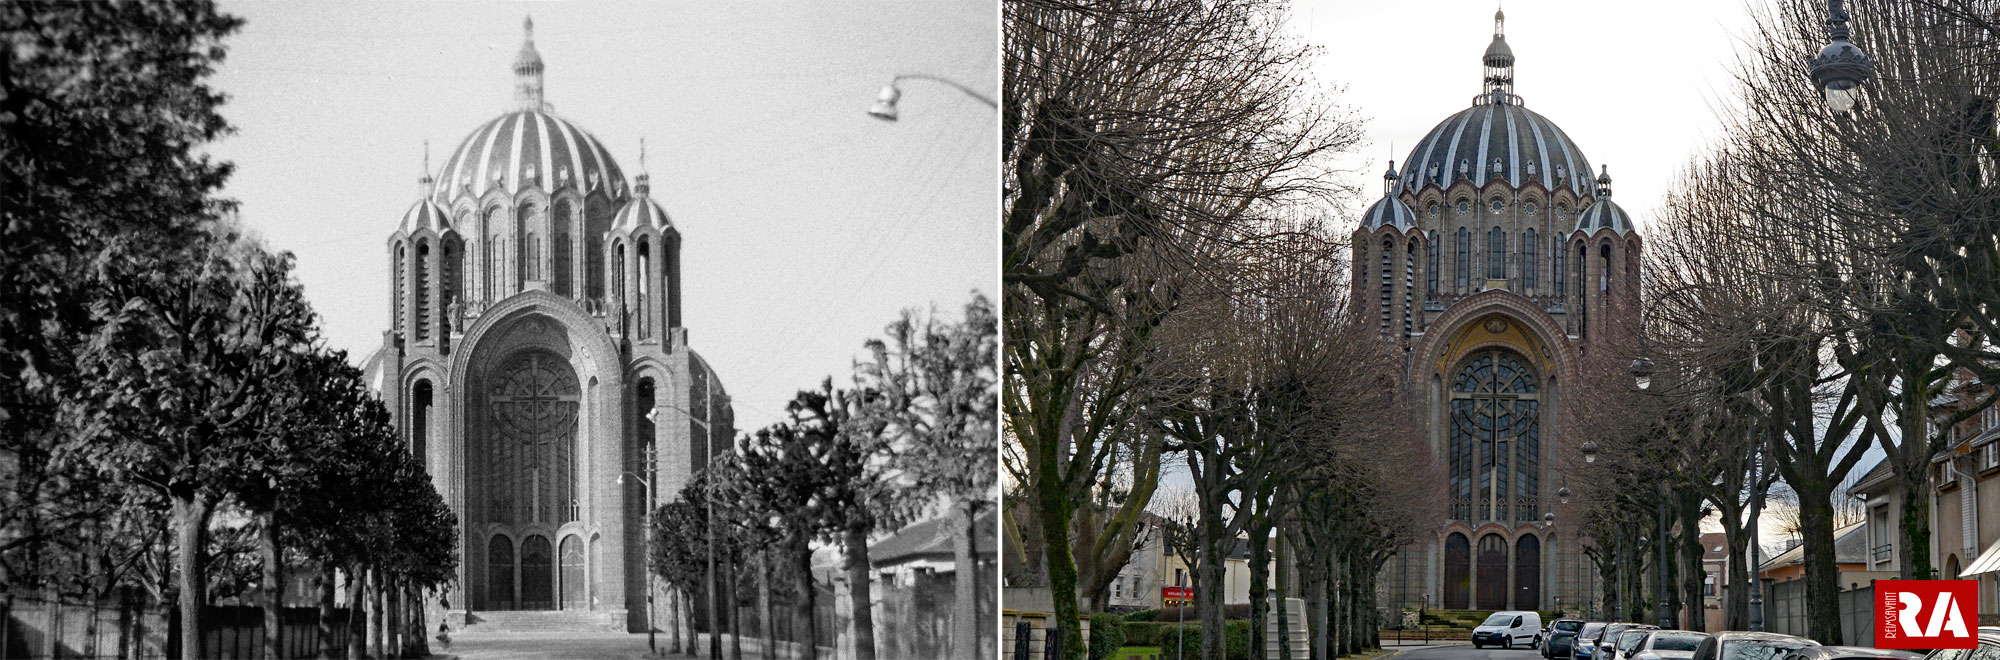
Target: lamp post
<point>1841,67</point>
<point>1642,377</point>
<point>885,103</point>
<point>646,484</point>
<point>708,495</point>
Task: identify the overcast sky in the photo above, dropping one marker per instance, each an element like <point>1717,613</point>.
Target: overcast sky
<point>807,226</point>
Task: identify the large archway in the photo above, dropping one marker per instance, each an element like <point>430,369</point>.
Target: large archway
<point>1457,572</point>
<point>528,410</point>
<point>1492,572</point>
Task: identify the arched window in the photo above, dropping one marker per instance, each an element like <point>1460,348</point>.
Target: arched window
<point>421,401</point>
<point>1529,267</point>
<point>1604,269</point>
<point>423,264</point>
<point>1431,247</point>
<point>1495,439</point>
<point>397,280</point>
<point>1560,270</point>
<point>1409,286</point>
<point>1496,254</point>
<point>525,257</point>
<point>565,215</point>
<point>1464,267</point>
<point>1388,283</point>
<point>618,268</point>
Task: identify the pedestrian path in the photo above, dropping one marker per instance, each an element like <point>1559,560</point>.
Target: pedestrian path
<point>592,645</point>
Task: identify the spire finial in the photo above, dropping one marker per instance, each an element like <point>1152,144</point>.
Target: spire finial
<point>1499,61</point>
<point>528,70</point>
<point>644,184</point>
<point>424,183</point>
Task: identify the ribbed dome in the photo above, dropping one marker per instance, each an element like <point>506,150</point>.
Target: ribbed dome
<point>426,214</point>
<point>1604,215</point>
<point>1526,146</point>
<point>642,211</point>
<point>526,148</point>
<point>1389,212</point>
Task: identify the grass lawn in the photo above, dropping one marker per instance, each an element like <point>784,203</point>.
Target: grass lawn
<point>1135,652</point>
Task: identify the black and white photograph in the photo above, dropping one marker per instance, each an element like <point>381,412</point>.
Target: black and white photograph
<point>498,329</point>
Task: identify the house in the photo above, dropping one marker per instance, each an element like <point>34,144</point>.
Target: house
<point>1850,550</point>
<point>1715,566</point>
<point>1155,568</point>
<point>925,548</point>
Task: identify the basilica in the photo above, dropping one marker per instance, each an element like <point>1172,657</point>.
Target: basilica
<point>538,363</point>
<point>1497,260</point>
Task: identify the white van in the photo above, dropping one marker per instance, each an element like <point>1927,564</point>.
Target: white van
<point>1508,630</point>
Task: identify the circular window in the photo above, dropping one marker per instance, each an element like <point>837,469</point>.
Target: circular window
<point>1464,205</point>
<point>1528,207</point>
<point>1562,211</point>
<point>1496,205</point>
<point>1433,209</point>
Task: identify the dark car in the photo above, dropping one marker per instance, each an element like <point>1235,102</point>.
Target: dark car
<point>1851,653</point>
<point>1749,646</point>
<point>1584,647</point>
<point>1561,635</point>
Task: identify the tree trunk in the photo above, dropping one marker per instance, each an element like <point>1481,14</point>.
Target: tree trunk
<point>1285,618</point>
<point>802,570</point>
<point>273,587</point>
<point>326,587</point>
<point>1053,507</point>
<point>729,605</point>
<point>965,620</point>
<point>674,618</point>
<point>1822,574</point>
<point>1209,598</point>
<point>766,621</point>
<point>357,615</point>
<point>859,592</point>
<point>191,514</point>
<point>378,617</point>
<point>1693,574</point>
<point>1260,577</point>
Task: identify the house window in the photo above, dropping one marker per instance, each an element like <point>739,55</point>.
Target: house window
<point>1708,586</point>
<point>1990,417</point>
<point>1117,590</point>
<point>1989,456</point>
<point>1946,475</point>
<point>1180,577</point>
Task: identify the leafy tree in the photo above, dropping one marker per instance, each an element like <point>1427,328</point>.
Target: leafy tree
<point>934,394</point>
<point>172,382</point>
<point>103,106</point>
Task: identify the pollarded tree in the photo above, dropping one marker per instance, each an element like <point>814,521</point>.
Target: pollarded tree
<point>934,395</point>
<point>173,380</point>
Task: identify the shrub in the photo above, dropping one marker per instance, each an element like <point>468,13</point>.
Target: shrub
<point>1143,615</point>
<point>1143,633</point>
<point>1107,634</point>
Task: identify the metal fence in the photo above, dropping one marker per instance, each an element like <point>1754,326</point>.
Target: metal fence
<point>34,628</point>
<point>1785,611</point>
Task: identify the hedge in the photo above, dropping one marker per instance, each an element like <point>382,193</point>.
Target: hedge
<point>1187,639</point>
<point>1107,634</point>
<point>1143,633</point>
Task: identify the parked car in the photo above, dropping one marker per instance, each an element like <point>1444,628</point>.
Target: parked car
<point>1851,653</point>
<point>1607,643</point>
<point>1584,647</point>
<point>1559,637</point>
<point>1989,644</point>
<point>1749,646</point>
<point>1668,645</point>
<point>1629,641</point>
<point>1509,629</point>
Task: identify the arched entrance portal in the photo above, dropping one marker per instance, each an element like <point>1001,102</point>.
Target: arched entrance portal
<point>572,574</point>
<point>1528,573</point>
<point>1457,572</point>
<point>1492,572</point>
<point>527,411</point>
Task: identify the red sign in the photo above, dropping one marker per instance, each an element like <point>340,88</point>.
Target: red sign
<point>1177,593</point>
<point>1926,614</point>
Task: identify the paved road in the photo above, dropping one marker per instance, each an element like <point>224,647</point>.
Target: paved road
<point>1463,652</point>
<point>562,646</point>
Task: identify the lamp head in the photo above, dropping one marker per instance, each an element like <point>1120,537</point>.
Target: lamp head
<point>885,103</point>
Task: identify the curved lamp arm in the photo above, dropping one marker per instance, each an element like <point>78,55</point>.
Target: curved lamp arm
<point>885,103</point>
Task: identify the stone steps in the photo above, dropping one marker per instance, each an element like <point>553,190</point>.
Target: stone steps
<point>530,621</point>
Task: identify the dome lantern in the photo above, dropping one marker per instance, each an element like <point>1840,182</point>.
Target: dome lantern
<point>528,70</point>
<point>1499,61</point>
<point>1389,179</point>
<point>1604,182</point>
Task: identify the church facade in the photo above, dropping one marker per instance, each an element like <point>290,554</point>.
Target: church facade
<point>538,362</point>
<point>1498,262</point>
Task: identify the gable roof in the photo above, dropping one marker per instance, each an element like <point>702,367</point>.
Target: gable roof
<point>931,539</point>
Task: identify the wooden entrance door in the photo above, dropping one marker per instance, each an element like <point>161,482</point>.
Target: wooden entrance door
<point>537,574</point>
<point>1457,572</point>
<point>1492,572</point>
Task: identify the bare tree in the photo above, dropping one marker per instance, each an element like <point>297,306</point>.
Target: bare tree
<point>1140,136</point>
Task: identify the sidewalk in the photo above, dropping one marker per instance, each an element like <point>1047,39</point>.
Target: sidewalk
<point>596,645</point>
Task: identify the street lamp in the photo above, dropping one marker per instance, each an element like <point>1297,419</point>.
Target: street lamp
<point>645,484</point>
<point>1841,67</point>
<point>1562,495</point>
<point>885,103</point>
<point>1589,449</point>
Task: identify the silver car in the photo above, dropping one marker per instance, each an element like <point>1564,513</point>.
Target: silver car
<point>1668,645</point>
